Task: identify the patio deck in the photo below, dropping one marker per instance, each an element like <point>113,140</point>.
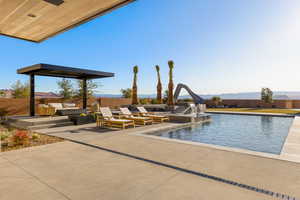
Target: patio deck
<point>127,164</point>
<point>70,171</point>
<point>265,171</point>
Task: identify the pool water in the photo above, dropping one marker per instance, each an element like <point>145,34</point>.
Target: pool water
<point>257,133</point>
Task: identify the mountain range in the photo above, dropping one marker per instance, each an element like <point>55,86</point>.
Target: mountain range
<point>241,95</point>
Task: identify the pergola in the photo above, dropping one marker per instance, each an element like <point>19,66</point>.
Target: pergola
<point>63,72</point>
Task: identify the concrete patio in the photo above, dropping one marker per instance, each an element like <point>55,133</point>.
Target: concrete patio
<point>118,165</point>
<point>72,171</point>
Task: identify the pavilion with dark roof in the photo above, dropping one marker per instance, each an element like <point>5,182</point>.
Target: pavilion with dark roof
<point>63,72</point>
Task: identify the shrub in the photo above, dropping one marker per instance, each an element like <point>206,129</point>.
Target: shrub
<point>144,101</point>
<point>216,100</point>
<point>20,137</point>
<point>154,101</point>
<point>4,135</point>
<point>35,136</point>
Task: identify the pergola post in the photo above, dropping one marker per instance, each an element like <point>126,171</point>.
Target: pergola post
<point>85,95</point>
<point>32,96</point>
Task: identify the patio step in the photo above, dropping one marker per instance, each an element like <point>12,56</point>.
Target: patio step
<point>35,123</point>
<point>54,125</point>
<point>29,121</point>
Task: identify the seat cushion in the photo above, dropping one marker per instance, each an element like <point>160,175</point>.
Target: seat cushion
<point>56,105</point>
<point>120,120</point>
<point>43,106</point>
<point>72,108</point>
<point>141,118</point>
<point>69,105</point>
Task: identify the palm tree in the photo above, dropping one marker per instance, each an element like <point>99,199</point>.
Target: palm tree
<point>171,84</point>
<point>159,86</point>
<point>134,86</point>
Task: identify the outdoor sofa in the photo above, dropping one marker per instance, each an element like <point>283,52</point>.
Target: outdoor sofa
<point>64,109</point>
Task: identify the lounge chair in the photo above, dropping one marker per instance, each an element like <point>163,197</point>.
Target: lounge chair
<point>109,120</point>
<point>156,118</point>
<point>126,114</point>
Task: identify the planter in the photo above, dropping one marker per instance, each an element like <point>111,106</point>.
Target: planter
<point>79,120</point>
<point>4,144</point>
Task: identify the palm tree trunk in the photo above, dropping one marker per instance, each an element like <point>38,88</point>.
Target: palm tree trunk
<point>171,84</point>
<point>159,87</point>
<point>134,87</point>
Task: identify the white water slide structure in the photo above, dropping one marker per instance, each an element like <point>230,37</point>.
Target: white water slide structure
<point>198,108</point>
<point>197,99</point>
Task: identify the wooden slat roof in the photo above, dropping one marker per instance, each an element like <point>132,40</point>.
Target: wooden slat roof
<point>64,72</point>
<point>37,20</point>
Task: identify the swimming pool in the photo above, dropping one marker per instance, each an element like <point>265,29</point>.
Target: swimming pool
<point>257,133</point>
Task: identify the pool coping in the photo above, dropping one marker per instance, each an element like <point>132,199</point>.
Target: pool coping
<point>284,155</point>
<point>252,113</point>
<point>291,146</point>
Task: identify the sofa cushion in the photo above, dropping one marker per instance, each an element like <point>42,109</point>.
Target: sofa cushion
<point>43,106</point>
<point>69,105</point>
<point>56,105</point>
<point>72,108</point>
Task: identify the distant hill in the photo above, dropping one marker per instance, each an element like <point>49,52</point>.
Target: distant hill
<point>251,95</point>
<point>119,95</point>
<point>46,95</point>
<point>241,95</point>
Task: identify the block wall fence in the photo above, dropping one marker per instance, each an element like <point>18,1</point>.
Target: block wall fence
<point>21,106</point>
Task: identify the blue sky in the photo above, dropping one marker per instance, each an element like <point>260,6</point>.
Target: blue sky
<point>218,46</point>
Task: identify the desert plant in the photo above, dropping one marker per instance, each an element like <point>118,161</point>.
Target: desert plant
<point>35,136</point>
<point>20,137</point>
<point>171,84</point>
<point>155,101</point>
<point>267,95</point>
<point>83,115</point>
<point>134,86</point>
<point>144,101</point>
<point>126,93</point>
<point>159,86</point>
<point>216,100</point>
<point>4,135</point>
